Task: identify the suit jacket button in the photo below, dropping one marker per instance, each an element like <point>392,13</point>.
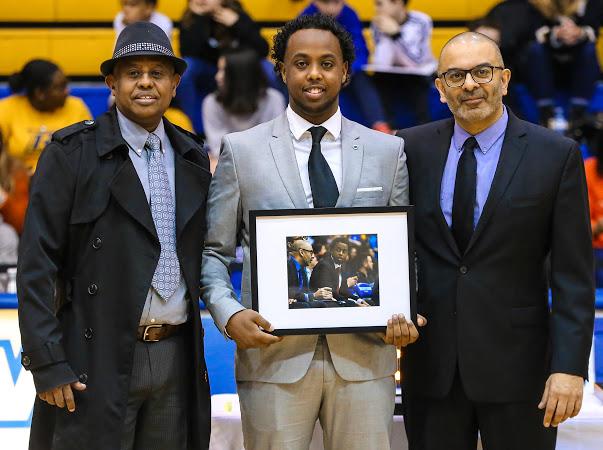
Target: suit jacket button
<point>25,361</point>
<point>205,375</point>
<point>88,333</point>
<point>463,270</point>
<point>97,243</point>
<point>92,289</point>
<point>83,378</point>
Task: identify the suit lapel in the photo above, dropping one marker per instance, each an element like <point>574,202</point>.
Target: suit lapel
<point>189,179</point>
<point>440,149</point>
<point>286,163</point>
<point>352,151</point>
<point>511,153</point>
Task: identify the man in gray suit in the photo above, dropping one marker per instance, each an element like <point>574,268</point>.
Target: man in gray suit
<point>310,156</point>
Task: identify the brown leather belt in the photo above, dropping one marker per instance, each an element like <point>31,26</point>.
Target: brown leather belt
<point>155,333</point>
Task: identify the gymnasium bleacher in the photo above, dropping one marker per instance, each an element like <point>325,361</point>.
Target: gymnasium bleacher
<point>77,35</point>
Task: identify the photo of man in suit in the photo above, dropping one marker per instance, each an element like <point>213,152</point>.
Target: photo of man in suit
<point>300,256</point>
<point>309,157</point>
<point>331,271</point>
<point>495,198</point>
<point>108,276</point>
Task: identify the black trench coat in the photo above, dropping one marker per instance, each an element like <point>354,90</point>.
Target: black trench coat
<point>87,257</point>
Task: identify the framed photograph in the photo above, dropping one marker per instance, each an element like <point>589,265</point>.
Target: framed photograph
<point>332,270</point>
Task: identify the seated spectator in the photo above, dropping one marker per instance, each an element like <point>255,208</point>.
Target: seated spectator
<point>9,240</point>
<point>330,272</point>
<point>365,271</point>
<point>141,11</point>
<point>360,88</point>
<point>39,106</point>
<point>403,40</point>
<point>511,24</point>
<point>563,56</point>
<point>207,29</point>
<point>242,100</point>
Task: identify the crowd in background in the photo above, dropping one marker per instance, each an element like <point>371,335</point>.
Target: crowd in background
<point>230,84</point>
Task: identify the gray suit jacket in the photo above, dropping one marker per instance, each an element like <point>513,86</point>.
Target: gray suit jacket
<point>258,170</point>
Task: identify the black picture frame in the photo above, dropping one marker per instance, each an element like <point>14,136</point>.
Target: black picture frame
<point>368,213</point>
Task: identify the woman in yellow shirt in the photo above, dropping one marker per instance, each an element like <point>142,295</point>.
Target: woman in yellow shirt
<point>40,105</point>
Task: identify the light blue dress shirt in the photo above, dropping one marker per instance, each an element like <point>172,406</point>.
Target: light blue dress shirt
<point>156,310</point>
<point>490,143</point>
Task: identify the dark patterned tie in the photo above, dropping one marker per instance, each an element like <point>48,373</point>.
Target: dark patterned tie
<point>167,273</point>
<point>322,181</point>
<point>465,186</point>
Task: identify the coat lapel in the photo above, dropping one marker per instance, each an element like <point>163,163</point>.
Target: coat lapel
<point>125,186</point>
<point>441,148</point>
<point>512,151</point>
<point>128,192</point>
<point>189,179</point>
<point>352,150</point>
<point>286,163</point>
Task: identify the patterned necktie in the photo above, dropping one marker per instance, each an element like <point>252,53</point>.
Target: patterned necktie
<point>167,273</point>
<point>322,181</point>
<point>465,186</point>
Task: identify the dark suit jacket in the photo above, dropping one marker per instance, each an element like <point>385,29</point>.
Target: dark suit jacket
<point>488,309</point>
<point>90,235</point>
<point>325,275</point>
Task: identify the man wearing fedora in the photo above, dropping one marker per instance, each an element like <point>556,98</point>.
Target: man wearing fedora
<point>109,269</point>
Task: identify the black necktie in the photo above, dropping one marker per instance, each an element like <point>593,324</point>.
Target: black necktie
<point>322,181</point>
<point>464,195</point>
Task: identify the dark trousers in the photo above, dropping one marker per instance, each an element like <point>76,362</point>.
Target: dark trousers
<point>453,422</point>
<point>574,69</point>
<point>156,416</point>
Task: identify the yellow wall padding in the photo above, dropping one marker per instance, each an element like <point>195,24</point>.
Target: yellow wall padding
<point>264,10</point>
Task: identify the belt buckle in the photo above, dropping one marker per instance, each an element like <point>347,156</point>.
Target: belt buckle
<point>145,335</point>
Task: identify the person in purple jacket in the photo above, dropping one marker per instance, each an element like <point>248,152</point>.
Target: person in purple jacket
<point>360,88</point>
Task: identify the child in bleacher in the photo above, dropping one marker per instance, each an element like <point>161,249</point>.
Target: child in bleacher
<point>39,106</point>
<point>361,88</point>
<point>141,11</point>
<point>207,29</point>
<point>403,58</point>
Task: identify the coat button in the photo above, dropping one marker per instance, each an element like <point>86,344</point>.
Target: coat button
<point>92,289</point>
<point>25,361</point>
<point>83,378</point>
<point>88,333</point>
<point>463,270</point>
<point>205,375</point>
<point>97,243</point>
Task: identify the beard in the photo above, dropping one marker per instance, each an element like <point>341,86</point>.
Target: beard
<point>489,105</point>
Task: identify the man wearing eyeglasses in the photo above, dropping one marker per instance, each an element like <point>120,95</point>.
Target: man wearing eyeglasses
<point>495,197</point>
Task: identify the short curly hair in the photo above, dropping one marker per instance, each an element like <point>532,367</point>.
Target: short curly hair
<point>312,22</point>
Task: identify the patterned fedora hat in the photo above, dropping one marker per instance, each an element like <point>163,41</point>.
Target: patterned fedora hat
<point>142,39</point>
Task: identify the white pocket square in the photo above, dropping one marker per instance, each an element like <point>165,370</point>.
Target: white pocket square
<point>370,189</point>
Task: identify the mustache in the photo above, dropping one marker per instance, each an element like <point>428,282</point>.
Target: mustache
<point>475,94</point>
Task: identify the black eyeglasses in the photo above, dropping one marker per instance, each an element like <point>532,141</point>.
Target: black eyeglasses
<point>481,75</point>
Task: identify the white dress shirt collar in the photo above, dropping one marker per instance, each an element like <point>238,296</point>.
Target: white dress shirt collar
<point>135,135</point>
<point>298,125</point>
